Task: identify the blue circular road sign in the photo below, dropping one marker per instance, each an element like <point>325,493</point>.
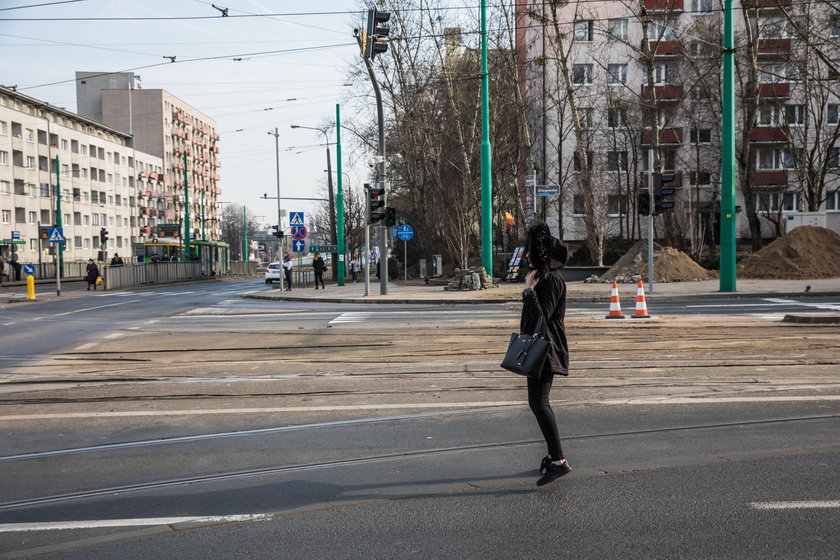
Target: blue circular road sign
<point>405,232</point>
<point>29,269</point>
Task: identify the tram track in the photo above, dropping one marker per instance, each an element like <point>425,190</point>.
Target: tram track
<point>377,458</point>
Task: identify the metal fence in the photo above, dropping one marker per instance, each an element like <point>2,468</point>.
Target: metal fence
<point>137,274</point>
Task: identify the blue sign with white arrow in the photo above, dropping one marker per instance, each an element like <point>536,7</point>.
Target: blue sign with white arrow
<point>405,232</point>
<point>299,246</point>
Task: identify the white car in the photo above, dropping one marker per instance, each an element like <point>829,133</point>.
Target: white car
<point>272,272</point>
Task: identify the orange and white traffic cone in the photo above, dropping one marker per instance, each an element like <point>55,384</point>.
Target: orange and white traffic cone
<point>641,305</point>
<point>615,304</point>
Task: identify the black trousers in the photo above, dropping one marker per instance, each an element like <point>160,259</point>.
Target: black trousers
<point>538,400</point>
<point>319,277</point>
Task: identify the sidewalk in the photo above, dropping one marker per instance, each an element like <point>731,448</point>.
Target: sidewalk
<point>416,292</point>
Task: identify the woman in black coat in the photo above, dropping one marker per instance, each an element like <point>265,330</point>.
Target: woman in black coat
<point>319,266</point>
<point>91,273</point>
<point>544,299</point>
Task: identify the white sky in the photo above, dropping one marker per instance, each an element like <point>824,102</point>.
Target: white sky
<point>236,94</point>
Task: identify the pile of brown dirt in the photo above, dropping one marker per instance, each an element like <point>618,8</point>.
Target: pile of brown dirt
<point>669,265</point>
<point>805,252</point>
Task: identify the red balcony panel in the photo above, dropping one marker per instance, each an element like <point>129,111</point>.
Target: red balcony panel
<point>773,46</point>
<point>769,178</point>
<point>664,93</point>
<point>774,90</point>
<point>664,5</point>
<point>666,48</point>
<point>774,134</point>
<point>666,136</point>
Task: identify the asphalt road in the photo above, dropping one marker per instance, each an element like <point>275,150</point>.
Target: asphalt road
<point>308,439</point>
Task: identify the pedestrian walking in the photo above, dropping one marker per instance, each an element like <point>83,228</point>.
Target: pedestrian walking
<point>319,266</point>
<point>287,271</point>
<point>16,266</point>
<point>544,299</point>
<point>92,274</point>
<point>116,260</point>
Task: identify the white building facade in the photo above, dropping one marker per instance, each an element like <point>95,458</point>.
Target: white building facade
<point>100,176</point>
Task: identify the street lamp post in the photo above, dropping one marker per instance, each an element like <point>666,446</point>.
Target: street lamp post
<point>331,194</point>
<point>276,135</point>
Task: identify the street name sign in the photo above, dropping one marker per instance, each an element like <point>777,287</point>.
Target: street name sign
<point>323,248</point>
<point>547,190</point>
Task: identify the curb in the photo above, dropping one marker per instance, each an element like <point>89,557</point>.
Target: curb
<point>828,319</point>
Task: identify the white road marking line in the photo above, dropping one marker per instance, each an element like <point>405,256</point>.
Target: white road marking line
<point>352,317</point>
<point>829,306</point>
<point>398,406</point>
<point>7,324</point>
<point>797,505</point>
<point>86,346</point>
<point>97,307</point>
<point>140,522</point>
<point>113,335</point>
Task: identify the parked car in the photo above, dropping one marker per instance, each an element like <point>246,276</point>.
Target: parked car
<point>272,272</point>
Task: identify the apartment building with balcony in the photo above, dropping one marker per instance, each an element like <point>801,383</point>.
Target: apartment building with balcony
<point>169,128</point>
<point>647,76</point>
<point>101,178</point>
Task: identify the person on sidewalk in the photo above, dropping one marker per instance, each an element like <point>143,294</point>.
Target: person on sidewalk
<point>354,269</point>
<point>544,299</point>
<point>91,273</point>
<point>319,266</point>
<point>287,271</point>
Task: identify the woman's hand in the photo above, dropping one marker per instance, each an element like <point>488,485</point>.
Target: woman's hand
<point>531,280</point>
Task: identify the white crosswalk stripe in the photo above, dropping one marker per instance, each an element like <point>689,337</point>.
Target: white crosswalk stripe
<point>351,317</point>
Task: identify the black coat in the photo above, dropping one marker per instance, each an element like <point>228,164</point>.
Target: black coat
<point>548,300</point>
<point>319,265</point>
<point>92,272</point>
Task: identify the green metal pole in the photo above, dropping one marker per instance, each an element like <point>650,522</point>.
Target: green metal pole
<point>339,199</point>
<point>203,237</point>
<point>244,234</point>
<point>486,177</point>
<point>727,188</point>
<point>186,213</point>
<point>59,261</point>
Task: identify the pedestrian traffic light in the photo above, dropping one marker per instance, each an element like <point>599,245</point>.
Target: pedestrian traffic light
<point>390,216</point>
<point>660,193</point>
<point>278,233</point>
<point>375,38</point>
<point>376,203</point>
<point>103,236</point>
<point>643,205</point>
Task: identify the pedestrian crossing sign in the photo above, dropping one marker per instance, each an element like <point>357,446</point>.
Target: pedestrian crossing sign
<point>295,218</point>
<point>56,235</point>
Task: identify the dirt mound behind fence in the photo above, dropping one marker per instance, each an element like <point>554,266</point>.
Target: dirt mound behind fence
<point>805,252</point>
<point>669,265</point>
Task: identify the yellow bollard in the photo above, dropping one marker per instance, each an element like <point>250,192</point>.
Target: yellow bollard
<point>30,287</point>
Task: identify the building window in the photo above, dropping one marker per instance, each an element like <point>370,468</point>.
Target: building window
<point>616,73</point>
<point>701,135</point>
<point>616,161</point>
<point>702,6</point>
<point>77,242</point>
<point>33,245</point>
<point>834,26</point>
<point>774,159</point>
<point>833,160</point>
<point>582,74</point>
<point>669,160</point>
<point>616,205</point>
<point>665,30</point>
<point>617,28</point>
<point>30,135</point>
<point>700,178</point>
<point>4,128</point>
<point>831,201</point>
<point>84,149</point>
<point>795,115</point>
<point>774,73</point>
<point>616,118</point>
<point>585,114</point>
<point>584,30</point>
<point>5,216</point>
<point>4,187</point>
<point>697,92</point>
<point>578,205</point>
<point>4,158</point>
<point>664,74</point>
<point>33,217</point>
<point>768,115</point>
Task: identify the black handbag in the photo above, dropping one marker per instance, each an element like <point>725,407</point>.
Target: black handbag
<point>526,353</point>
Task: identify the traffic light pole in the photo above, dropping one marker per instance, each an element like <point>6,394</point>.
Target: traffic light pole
<point>383,241</point>
<point>339,200</point>
<point>650,221</point>
<point>727,185</point>
<point>276,135</point>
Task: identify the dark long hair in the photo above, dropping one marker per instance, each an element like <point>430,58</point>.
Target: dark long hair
<point>539,248</point>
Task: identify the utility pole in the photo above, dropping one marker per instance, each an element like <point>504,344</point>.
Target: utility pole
<point>244,234</point>
<point>276,135</point>
<point>375,41</point>
<point>727,186</point>
<point>59,258</point>
<point>486,169</point>
<point>339,197</point>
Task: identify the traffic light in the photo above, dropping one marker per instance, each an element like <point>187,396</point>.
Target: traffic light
<point>375,38</point>
<point>376,203</point>
<point>660,193</point>
<point>390,216</point>
<point>278,233</point>
<point>643,205</point>
<point>103,236</point>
